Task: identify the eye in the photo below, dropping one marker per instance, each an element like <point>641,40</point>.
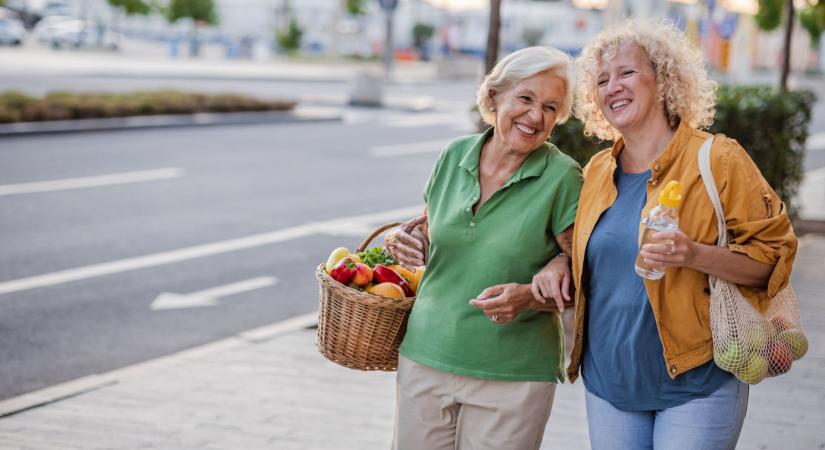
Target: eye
<point>525,98</point>
<point>602,82</point>
<point>550,108</point>
<point>628,73</point>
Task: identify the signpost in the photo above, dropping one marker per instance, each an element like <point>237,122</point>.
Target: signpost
<point>389,9</point>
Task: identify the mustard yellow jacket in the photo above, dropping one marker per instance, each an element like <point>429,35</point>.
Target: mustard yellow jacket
<point>756,220</point>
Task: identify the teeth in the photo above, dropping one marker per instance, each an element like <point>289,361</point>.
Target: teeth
<point>525,129</point>
<point>619,104</point>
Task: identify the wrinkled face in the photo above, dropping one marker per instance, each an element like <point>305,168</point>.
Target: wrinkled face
<point>626,89</point>
<point>526,113</point>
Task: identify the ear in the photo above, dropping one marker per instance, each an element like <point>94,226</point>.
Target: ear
<point>492,94</point>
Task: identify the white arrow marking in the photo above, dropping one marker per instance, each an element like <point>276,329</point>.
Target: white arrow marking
<point>208,297</point>
<point>86,182</point>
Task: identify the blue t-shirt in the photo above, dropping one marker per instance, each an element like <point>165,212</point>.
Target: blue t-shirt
<point>624,361</point>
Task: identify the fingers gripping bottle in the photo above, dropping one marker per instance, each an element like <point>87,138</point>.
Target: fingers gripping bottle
<point>661,218</point>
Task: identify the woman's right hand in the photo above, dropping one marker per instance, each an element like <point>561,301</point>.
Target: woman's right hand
<point>553,282</point>
<point>407,242</point>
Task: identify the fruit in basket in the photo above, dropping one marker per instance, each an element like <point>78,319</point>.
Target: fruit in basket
<point>409,276</point>
<point>781,324</point>
<point>344,271</point>
<point>363,274</point>
<point>730,357</point>
<point>779,357</point>
<point>335,257</point>
<point>755,370</point>
<point>796,341</point>
<point>383,274</point>
<point>387,289</point>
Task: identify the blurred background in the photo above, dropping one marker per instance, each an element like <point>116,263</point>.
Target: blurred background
<point>172,171</point>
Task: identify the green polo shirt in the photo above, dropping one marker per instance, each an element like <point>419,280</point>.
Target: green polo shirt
<point>508,240</point>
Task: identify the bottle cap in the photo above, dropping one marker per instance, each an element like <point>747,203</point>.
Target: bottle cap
<point>671,195</point>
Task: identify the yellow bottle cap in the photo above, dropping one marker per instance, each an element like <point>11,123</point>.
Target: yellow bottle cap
<point>671,195</point>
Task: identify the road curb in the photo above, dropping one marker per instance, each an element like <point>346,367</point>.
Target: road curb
<point>96,382</point>
<point>169,121</point>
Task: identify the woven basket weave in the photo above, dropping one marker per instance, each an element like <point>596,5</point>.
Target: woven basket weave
<point>360,330</point>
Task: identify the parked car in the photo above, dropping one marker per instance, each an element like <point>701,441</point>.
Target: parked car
<point>46,27</point>
<point>11,32</point>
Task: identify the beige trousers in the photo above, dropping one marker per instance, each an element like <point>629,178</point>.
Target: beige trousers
<point>438,410</point>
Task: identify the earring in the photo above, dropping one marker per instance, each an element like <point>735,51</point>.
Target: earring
<point>492,109</point>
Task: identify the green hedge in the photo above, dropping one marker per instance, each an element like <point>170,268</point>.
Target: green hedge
<point>18,107</point>
<point>771,125</point>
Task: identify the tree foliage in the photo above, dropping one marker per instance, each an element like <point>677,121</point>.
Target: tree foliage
<point>132,7</point>
<point>356,7</point>
<point>770,14</point>
<point>289,40</point>
<point>198,10</point>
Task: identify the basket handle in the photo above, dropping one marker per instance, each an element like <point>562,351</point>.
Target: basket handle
<point>375,233</point>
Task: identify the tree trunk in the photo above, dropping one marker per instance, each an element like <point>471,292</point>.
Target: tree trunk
<point>786,57</point>
<point>491,54</point>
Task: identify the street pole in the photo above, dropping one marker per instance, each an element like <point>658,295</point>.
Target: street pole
<point>389,10</point>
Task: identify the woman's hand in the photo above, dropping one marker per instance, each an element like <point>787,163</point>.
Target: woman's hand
<point>503,302</point>
<point>671,249</point>
<point>553,282</point>
<point>407,242</point>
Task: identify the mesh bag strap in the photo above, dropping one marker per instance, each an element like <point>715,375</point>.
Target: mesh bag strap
<point>713,193</point>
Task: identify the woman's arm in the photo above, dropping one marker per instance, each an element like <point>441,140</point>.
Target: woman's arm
<point>710,259</point>
<point>553,281</point>
<point>506,301</point>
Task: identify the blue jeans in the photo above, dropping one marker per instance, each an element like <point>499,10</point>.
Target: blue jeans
<point>708,423</point>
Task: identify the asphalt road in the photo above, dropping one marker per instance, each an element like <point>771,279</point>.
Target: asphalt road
<point>227,183</point>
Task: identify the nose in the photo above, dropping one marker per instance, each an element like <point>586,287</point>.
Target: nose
<point>535,113</point>
<point>613,86</point>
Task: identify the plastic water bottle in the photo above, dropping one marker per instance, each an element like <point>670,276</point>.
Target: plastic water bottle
<point>661,218</point>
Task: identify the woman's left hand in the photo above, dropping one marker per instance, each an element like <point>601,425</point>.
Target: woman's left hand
<point>670,249</point>
<point>503,302</point>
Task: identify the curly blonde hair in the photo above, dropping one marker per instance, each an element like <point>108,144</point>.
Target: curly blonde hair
<point>682,81</point>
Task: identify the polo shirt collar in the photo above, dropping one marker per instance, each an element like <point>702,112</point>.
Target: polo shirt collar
<point>532,166</point>
<point>673,149</point>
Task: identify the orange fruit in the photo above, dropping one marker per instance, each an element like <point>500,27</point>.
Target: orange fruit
<point>389,290</point>
<point>412,277</point>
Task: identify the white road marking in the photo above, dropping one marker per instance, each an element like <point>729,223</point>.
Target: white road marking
<point>199,251</point>
<point>409,149</point>
<point>95,181</point>
<point>209,297</point>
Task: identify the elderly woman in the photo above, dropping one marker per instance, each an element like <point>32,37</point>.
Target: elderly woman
<point>644,347</point>
<point>481,355</point>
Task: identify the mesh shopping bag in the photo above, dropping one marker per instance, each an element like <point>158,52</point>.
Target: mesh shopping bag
<point>749,344</point>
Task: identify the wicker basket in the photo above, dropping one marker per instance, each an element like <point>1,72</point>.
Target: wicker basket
<point>360,330</point>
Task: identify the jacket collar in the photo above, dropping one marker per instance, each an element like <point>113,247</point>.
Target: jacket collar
<point>672,151</point>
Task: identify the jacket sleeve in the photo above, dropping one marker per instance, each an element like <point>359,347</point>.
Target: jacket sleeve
<point>757,220</point>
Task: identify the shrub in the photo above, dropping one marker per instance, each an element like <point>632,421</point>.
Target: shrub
<point>17,107</point>
<point>772,126</point>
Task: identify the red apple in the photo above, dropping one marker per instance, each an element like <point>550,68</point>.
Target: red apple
<point>781,324</point>
<point>363,274</point>
<point>780,358</point>
<point>797,342</point>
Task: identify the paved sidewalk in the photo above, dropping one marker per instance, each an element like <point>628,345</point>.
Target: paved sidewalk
<point>269,388</point>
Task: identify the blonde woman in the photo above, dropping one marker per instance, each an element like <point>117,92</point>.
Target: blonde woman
<point>643,346</point>
<point>481,355</point>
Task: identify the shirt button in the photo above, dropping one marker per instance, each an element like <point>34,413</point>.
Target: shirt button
<point>656,168</point>
<point>468,210</point>
<point>472,224</point>
<point>655,182</point>
<point>672,369</point>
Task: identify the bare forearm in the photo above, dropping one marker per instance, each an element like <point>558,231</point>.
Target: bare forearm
<point>731,266</point>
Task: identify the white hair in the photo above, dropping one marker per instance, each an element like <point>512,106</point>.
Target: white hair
<point>520,65</point>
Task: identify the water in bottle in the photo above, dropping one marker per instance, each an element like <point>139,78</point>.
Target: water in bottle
<point>663,217</point>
